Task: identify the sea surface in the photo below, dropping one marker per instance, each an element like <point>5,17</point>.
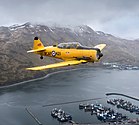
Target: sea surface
<point>66,86</point>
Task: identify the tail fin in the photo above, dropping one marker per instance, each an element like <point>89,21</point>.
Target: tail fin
<point>38,46</point>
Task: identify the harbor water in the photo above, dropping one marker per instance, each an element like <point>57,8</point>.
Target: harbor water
<point>80,84</point>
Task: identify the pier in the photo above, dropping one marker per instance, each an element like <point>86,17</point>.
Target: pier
<point>33,116</point>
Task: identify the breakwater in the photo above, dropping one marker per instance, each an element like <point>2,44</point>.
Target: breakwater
<point>131,97</point>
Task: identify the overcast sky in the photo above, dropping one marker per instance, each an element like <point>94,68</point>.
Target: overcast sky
<point>117,17</point>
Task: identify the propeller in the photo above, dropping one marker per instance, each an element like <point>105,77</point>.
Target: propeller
<point>99,54</point>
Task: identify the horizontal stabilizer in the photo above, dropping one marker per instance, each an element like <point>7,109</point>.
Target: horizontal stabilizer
<point>100,46</point>
<point>36,50</point>
<point>56,65</point>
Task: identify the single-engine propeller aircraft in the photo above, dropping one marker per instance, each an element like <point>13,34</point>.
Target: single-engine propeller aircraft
<point>72,53</point>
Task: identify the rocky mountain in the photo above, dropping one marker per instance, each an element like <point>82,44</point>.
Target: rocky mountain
<point>17,39</point>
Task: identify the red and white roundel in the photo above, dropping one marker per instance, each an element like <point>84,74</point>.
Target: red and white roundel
<point>53,53</point>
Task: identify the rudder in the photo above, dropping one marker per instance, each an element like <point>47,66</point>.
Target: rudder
<point>37,44</point>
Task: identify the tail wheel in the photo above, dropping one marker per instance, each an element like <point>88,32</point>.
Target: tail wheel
<point>41,57</point>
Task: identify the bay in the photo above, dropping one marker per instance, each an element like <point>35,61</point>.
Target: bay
<point>64,87</point>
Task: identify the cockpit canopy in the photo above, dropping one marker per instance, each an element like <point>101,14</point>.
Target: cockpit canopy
<point>72,45</point>
<point>75,45</point>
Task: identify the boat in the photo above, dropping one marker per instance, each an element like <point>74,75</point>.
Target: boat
<point>60,115</point>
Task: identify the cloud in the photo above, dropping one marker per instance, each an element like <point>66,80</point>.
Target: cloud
<point>112,16</point>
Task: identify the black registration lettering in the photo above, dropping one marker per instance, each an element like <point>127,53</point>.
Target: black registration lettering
<point>58,53</point>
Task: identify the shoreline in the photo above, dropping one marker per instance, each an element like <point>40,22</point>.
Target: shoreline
<point>41,78</point>
<point>65,70</point>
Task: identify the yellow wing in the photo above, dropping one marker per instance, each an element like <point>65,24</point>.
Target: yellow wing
<point>100,46</point>
<point>56,65</point>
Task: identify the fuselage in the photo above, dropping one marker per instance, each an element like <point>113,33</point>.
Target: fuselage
<point>71,52</point>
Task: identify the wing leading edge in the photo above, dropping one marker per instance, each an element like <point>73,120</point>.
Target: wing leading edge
<point>56,65</point>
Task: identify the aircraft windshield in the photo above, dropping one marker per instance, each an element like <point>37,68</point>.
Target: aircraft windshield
<point>73,45</point>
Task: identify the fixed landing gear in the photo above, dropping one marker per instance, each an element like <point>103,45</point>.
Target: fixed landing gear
<point>41,57</point>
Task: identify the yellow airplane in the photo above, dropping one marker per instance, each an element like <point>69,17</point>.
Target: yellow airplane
<point>72,53</point>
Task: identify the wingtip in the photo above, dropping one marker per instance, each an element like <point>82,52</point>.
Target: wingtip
<point>30,68</point>
<point>34,69</point>
<point>27,68</point>
<point>104,45</point>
